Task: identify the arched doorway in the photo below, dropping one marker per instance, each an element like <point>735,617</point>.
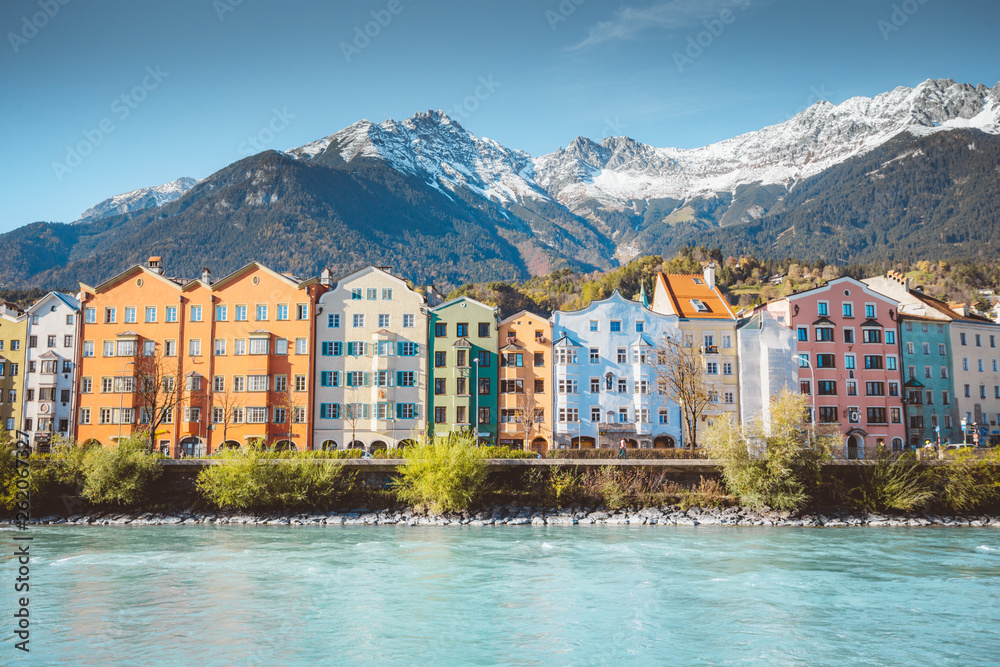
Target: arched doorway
<point>664,442</point>
<point>192,447</point>
<point>285,446</point>
<point>355,444</point>
<point>329,445</point>
<point>378,445</point>
<point>855,447</point>
<point>897,444</point>
<point>584,443</point>
<point>406,443</point>
<point>229,444</point>
<point>540,445</point>
<point>631,443</point>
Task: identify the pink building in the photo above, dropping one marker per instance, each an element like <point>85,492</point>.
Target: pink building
<point>848,347</point>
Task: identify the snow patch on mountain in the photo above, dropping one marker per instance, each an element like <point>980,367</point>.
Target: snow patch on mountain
<point>138,200</point>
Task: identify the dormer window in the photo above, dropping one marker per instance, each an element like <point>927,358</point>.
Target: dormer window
<point>698,281</point>
<point>699,305</point>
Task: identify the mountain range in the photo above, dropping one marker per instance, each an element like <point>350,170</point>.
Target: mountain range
<point>912,172</point>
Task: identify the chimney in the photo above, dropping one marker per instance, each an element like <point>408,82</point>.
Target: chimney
<point>206,276</point>
<point>156,265</point>
<point>387,269</point>
<point>326,277</point>
<point>710,275</point>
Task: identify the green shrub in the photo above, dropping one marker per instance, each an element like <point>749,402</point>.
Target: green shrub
<point>968,481</point>
<point>120,474</point>
<point>445,475</point>
<point>630,453</point>
<point>252,479</point>
<point>773,465</point>
<point>891,482</point>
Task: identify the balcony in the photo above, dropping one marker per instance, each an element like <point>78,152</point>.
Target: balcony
<point>710,349</point>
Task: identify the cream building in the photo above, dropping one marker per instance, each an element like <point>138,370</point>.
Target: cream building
<point>371,362</point>
<point>707,322</point>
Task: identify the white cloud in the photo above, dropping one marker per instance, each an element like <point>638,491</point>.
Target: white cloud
<point>629,22</point>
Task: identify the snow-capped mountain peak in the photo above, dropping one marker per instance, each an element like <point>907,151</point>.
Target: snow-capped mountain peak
<point>140,199</point>
<point>432,146</point>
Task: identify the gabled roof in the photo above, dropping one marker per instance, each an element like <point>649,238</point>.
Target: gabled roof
<point>65,298</point>
<point>48,355</point>
<point>128,273</point>
<point>565,341</point>
<point>642,341</point>
<point>512,346</point>
<point>462,342</point>
<point>291,280</point>
<point>525,313</point>
<point>686,292</point>
<point>446,304</point>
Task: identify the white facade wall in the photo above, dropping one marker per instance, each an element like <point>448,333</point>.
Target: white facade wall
<point>50,367</point>
<point>975,350</point>
<point>591,329</point>
<point>767,351</point>
<point>390,412</point>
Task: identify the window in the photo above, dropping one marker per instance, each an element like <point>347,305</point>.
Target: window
<point>849,336</point>
<point>150,313</point>
<point>593,325</point>
<point>219,383</point>
<point>440,415</point>
<point>640,327</point>
<point>727,368</point>
<point>979,340</point>
<point>890,364</point>
<point>896,416</point>
<point>329,378</point>
<point>712,368</point>
<point>979,365</point>
<point>827,415</point>
<point>824,334</point>
<point>440,330</point>
<point>595,385</point>
<point>890,337</point>
<point>805,387</point>
<point>848,309</point>
<point>110,315</point>
<point>927,348</point>
<point>301,313</point>
<point>171,314</point>
<point>664,416</point>
<point>256,415</point>
<point>622,355</point>
<point>257,382</point>
<point>870,311</point>
<point>221,313</point>
<point>218,415</point>
<point>406,378</point>
<point>727,342</point>
<point>595,355</point>
<point>874,388</point>
<point>409,410</point>
<point>567,386</point>
<point>261,312</point>
<point>170,348</point>
<point>282,311</point>
<point>484,387</point>
<point>440,359</point>
<point>616,326</point>
<point>965,363</point>
<point>383,321</point>
<point>85,415</point>
<point>909,348</point>
<point>239,346</point>
<point>281,346</point>
<point>961,339</point>
<point>356,294</point>
<point>300,383</point>
<point>192,414</point>
<point>460,415</point>
<point>196,313</point>
<point>823,308</point>
<point>804,360</point>
<point>515,359</point>
<point>927,372</point>
<point>871,336</point>
<point>873,362</point>
<point>407,349</point>
<point>462,330</point>
<point>826,361</point>
<point>372,293</point>
<point>876,416</point>
<point>484,329</point>
<point>32,341</point>
<point>357,379</point>
<point>88,348</point>
<point>241,313</point>
<point>565,355</point>
<point>220,346</point>
<point>622,385</point>
<point>90,316</point>
<point>567,415</point>
<point>259,345</point>
<point>126,348</point>
<point>408,321</point>
<point>194,347</point>
<point>281,383</point>
<point>982,391</point>
<point>539,359</point>
<point>826,387</point>
<point>440,386</point>
<point>622,415</point>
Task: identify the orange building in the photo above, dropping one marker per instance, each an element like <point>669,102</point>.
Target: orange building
<point>525,382</point>
<point>230,359</point>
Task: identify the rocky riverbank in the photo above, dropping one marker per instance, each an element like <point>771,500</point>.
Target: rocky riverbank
<point>516,516</point>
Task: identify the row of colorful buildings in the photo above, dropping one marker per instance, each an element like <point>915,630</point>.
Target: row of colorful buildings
<point>367,361</point>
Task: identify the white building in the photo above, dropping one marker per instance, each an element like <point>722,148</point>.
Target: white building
<point>371,362</point>
<point>768,356</point>
<point>50,358</point>
<point>605,382</point>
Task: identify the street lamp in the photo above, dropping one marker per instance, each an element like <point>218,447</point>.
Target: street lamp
<point>121,397</point>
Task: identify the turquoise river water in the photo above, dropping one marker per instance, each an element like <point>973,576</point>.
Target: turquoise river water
<point>387,595</point>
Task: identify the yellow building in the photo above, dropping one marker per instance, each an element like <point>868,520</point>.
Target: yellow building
<point>13,329</point>
<point>526,382</point>
<point>707,322</point>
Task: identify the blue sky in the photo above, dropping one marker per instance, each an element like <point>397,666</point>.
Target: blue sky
<point>155,90</point>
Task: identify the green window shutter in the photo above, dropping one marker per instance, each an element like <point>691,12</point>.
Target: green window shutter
<point>350,379</point>
<point>399,378</point>
<point>368,380</point>
<point>399,349</point>
<point>366,411</point>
